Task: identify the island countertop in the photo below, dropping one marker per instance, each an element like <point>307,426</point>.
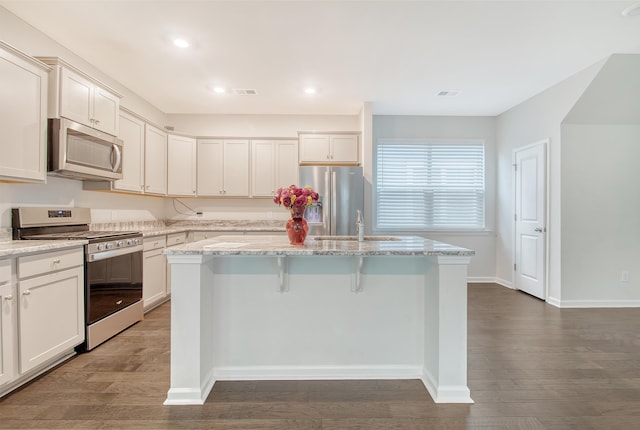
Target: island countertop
<point>278,245</point>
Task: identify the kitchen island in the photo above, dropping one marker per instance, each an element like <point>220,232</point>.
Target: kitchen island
<point>255,307</point>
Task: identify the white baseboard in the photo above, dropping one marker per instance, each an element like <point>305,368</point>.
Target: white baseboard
<point>489,280</point>
<point>595,303</point>
<point>554,302</point>
<point>269,373</point>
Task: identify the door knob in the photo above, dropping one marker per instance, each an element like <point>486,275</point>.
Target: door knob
<point>538,229</point>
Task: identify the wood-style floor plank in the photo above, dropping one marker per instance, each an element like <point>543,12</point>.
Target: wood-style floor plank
<point>531,366</point>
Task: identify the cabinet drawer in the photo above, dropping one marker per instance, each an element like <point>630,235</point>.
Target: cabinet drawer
<point>38,264</point>
<point>176,239</point>
<point>5,271</point>
<point>156,242</point>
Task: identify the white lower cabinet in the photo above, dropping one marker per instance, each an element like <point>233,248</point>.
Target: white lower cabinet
<point>8,329</point>
<point>42,313</point>
<point>154,272</point>
<point>50,316</point>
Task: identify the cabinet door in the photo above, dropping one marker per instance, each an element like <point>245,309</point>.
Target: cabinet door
<point>154,273</point>
<point>155,161</point>
<point>344,149</point>
<point>8,327</point>
<point>181,166</point>
<point>23,118</point>
<point>314,148</point>
<point>236,168</point>
<point>132,135</point>
<point>209,167</point>
<point>76,94</point>
<point>263,164</point>
<point>51,316</point>
<point>287,163</point>
<point>106,108</point>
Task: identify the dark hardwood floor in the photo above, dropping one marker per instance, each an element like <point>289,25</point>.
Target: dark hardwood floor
<point>531,366</point>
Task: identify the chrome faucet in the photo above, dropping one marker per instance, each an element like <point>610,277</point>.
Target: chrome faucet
<point>360,225</point>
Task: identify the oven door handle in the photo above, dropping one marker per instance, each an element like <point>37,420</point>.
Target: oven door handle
<point>114,253</point>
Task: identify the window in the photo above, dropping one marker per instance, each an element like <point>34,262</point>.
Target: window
<point>429,184</point>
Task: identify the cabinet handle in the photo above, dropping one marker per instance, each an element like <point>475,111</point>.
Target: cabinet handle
<point>8,297</point>
<point>328,157</point>
<point>26,293</point>
<point>92,120</point>
<point>56,261</point>
<point>97,121</point>
<point>119,302</point>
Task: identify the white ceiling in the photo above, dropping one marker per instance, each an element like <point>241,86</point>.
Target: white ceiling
<point>396,54</point>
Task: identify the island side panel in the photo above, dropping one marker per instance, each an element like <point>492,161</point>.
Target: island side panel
<point>319,328</point>
<point>445,331</point>
<point>192,342</point>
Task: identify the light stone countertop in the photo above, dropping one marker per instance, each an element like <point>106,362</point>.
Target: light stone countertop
<point>279,246</point>
<point>157,228</point>
<point>16,248</point>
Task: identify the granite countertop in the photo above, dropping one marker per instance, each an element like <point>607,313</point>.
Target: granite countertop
<point>15,248</point>
<point>279,246</point>
<point>157,228</point>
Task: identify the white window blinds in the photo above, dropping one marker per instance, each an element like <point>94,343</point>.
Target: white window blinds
<point>429,185</point>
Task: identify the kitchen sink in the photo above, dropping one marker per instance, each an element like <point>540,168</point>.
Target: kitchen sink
<point>367,238</point>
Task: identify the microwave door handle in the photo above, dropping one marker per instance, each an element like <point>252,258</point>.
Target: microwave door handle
<point>116,165</point>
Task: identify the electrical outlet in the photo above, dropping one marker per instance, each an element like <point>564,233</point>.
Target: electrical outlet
<point>624,276</point>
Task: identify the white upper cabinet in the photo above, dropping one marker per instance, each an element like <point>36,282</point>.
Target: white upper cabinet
<point>181,166</point>
<point>223,167</point>
<point>78,97</point>
<point>274,164</point>
<point>286,163</point>
<point>23,116</point>
<point>155,161</point>
<point>132,135</point>
<point>329,148</point>
<point>263,168</point>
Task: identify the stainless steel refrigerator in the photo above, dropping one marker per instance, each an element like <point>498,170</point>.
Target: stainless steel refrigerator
<point>341,195</point>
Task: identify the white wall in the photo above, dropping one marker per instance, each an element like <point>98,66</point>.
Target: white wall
<point>105,207</point>
<point>600,215</point>
<point>260,125</point>
<point>533,120</point>
<point>482,267</point>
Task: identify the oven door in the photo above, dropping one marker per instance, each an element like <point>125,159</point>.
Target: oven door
<point>112,284</point>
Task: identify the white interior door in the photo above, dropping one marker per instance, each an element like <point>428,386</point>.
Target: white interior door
<point>530,220</point>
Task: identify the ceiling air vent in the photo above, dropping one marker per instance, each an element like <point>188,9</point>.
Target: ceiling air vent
<point>245,92</point>
<point>448,93</point>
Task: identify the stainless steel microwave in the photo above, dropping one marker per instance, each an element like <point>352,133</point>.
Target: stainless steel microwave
<point>81,152</point>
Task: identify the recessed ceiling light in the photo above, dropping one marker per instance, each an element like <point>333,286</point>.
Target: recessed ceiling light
<point>632,10</point>
<point>181,43</point>
<point>310,90</point>
<point>219,90</point>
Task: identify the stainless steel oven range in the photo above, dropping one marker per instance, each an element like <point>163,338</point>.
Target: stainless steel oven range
<point>113,266</point>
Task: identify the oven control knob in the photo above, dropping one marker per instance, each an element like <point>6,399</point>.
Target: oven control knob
<point>101,247</point>
<point>137,241</point>
<point>109,245</point>
<point>129,242</point>
<point>120,244</point>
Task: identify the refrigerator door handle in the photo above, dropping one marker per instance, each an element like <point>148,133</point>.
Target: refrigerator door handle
<point>333,203</point>
<point>327,209</point>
